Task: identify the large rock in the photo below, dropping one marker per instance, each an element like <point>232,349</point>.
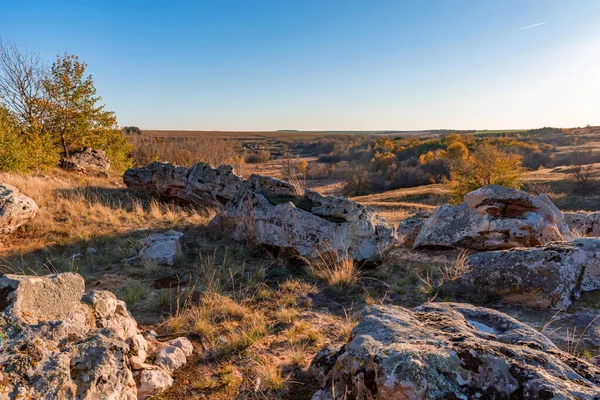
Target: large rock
<point>541,277</point>
<point>494,218</point>
<point>16,209</point>
<point>200,185</point>
<point>88,160</point>
<point>583,224</point>
<point>451,351</point>
<point>58,344</point>
<point>271,212</point>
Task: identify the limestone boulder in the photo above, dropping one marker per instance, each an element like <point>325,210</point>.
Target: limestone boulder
<point>16,209</point>
<point>541,277</point>
<point>451,351</point>
<point>88,160</point>
<point>160,248</point>
<point>271,212</point>
<point>58,343</point>
<point>199,185</point>
<point>494,218</point>
<point>583,224</point>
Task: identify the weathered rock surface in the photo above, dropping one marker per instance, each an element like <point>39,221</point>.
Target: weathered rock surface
<point>494,218</point>
<point>451,351</point>
<point>88,160</point>
<point>58,344</point>
<point>200,185</point>
<point>16,209</point>
<point>542,277</point>
<point>583,224</point>
<point>160,248</point>
<point>270,212</point>
<point>410,227</point>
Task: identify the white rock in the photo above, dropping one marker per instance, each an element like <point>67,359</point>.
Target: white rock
<point>152,380</point>
<point>16,209</point>
<point>161,248</point>
<point>170,358</point>
<point>184,344</point>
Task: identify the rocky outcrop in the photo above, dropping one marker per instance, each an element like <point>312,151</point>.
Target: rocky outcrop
<point>88,160</point>
<point>271,212</point>
<point>58,343</point>
<point>200,185</point>
<point>410,227</point>
<point>583,224</point>
<point>160,248</point>
<point>494,218</point>
<point>542,277</point>
<point>450,351</point>
<point>16,209</point>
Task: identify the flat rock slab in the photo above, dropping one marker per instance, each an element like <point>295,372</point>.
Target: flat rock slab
<point>41,298</point>
<point>541,277</point>
<point>450,351</point>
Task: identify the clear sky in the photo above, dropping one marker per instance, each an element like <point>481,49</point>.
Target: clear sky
<point>328,64</point>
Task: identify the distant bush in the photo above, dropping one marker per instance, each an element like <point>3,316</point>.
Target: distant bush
<point>409,177</point>
<point>258,157</point>
<point>486,165</point>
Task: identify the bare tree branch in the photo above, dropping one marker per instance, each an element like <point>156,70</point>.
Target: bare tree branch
<point>21,83</point>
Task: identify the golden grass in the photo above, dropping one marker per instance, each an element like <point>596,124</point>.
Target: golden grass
<point>77,208</point>
<point>341,273</point>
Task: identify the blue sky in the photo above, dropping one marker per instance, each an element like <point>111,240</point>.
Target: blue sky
<point>327,64</point>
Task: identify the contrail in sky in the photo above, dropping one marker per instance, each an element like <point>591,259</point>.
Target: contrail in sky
<point>529,26</point>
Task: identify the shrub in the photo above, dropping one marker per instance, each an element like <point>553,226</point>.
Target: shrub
<point>259,157</point>
<point>409,177</point>
<point>24,152</point>
<point>487,165</point>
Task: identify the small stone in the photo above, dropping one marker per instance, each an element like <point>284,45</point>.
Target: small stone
<point>184,344</point>
<point>170,358</point>
<point>152,380</point>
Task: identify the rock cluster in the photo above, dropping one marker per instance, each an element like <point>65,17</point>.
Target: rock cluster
<point>58,343</point>
<point>494,218</point>
<point>271,212</point>
<point>15,208</point>
<point>450,351</point>
<point>200,185</point>
<point>541,277</point>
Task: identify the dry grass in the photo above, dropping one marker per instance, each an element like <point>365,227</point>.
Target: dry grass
<point>338,272</point>
<point>270,376</point>
<point>432,283</point>
<point>76,208</point>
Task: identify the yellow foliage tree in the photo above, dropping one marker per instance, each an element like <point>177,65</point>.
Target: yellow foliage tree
<point>485,166</point>
<point>427,157</point>
<point>457,151</point>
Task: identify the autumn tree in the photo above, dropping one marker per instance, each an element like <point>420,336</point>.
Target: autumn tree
<point>76,118</point>
<point>486,165</point>
<point>457,151</point>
